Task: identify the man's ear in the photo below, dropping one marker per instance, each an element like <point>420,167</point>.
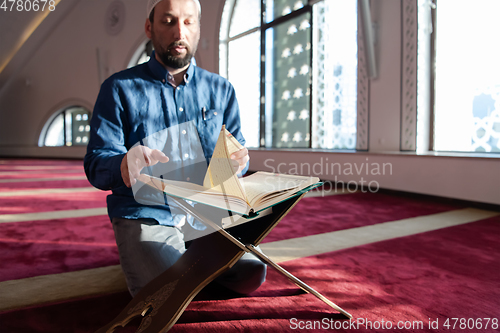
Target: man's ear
<point>148,26</point>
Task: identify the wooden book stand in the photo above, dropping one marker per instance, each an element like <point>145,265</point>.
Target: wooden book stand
<point>162,301</point>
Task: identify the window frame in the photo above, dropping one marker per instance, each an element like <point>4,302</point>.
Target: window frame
<point>363,86</point>
<point>48,124</point>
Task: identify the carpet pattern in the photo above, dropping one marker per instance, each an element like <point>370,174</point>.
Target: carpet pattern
<point>414,280</point>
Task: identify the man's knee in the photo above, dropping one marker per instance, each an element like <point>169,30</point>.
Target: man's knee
<point>257,272</point>
<point>246,276</point>
<point>146,250</point>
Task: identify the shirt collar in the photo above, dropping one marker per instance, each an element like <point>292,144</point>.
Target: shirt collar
<point>162,74</point>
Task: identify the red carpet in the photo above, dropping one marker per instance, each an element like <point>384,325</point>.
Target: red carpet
<point>24,186</point>
<point>448,273</point>
<point>34,169</point>
<point>35,248</point>
<point>347,211</point>
<point>56,246</point>
<point>61,245</point>
<point>52,202</point>
<point>45,174</point>
<point>404,281</point>
<point>34,163</point>
<point>64,245</point>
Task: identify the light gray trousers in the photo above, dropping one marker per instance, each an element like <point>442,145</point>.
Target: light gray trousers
<point>147,249</point>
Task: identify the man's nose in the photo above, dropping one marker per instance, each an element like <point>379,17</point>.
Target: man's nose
<point>180,31</point>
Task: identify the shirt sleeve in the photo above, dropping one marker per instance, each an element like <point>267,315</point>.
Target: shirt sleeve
<point>106,147</point>
<point>233,122</point>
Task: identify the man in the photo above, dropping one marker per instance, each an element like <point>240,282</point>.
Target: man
<point>168,92</point>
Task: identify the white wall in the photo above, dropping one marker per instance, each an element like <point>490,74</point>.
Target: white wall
<point>62,68</point>
<point>474,179</point>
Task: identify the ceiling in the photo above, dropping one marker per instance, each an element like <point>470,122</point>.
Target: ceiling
<point>15,29</point>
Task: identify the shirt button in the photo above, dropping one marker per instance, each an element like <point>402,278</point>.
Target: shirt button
<point>184,132</point>
<point>186,155</point>
<point>215,113</point>
<point>181,109</point>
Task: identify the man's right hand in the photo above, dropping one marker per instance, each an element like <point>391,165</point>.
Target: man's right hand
<point>136,159</point>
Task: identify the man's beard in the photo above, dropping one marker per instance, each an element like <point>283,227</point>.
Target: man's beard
<point>175,61</point>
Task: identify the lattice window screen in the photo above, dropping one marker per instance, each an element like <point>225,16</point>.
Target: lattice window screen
<point>363,94</point>
<point>409,76</point>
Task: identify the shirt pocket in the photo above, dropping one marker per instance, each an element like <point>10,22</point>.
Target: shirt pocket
<point>213,120</point>
<point>213,115</point>
<point>210,129</point>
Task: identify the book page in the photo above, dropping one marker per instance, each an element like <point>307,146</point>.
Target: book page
<point>197,193</point>
<point>220,174</point>
<point>233,145</point>
<point>261,186</point>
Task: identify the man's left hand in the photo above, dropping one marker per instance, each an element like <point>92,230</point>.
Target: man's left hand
<point>240,160</point>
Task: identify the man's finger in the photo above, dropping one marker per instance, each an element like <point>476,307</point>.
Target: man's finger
<point>239,154</point>
<point>159,156</point>
<point>235,165</point>
<point>132,182</point>
<point>136,159</point>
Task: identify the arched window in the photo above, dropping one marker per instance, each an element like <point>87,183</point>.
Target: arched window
<point>294,66</point>
<point>69,127</point>
<point>142,54</point>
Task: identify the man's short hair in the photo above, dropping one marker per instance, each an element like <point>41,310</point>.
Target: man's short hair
<point>152,4</point>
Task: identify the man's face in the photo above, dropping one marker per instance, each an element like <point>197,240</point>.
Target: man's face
<point>175,32</point>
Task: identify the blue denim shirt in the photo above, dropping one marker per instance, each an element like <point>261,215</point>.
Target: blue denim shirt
<point>138,104</point>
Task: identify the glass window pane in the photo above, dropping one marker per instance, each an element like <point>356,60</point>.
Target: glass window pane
<point>246,16</point>
<point>278,8</point>
<point>55,132</point>
<point>143,58</point>
<point>288,55</point>
<point>69,122</point>
<point>467,104</point>
<point>142,54</point>
<point>424,74</point>
<point>335,50</point>
<point>244,74</point>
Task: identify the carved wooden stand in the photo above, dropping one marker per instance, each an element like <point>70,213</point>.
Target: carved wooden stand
<point>162,301</point>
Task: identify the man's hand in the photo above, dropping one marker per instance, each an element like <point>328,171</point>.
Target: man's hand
<point>136,159</point>
<point>240,159</point>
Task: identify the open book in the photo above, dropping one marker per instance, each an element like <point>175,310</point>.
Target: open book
<point>223,189</point>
